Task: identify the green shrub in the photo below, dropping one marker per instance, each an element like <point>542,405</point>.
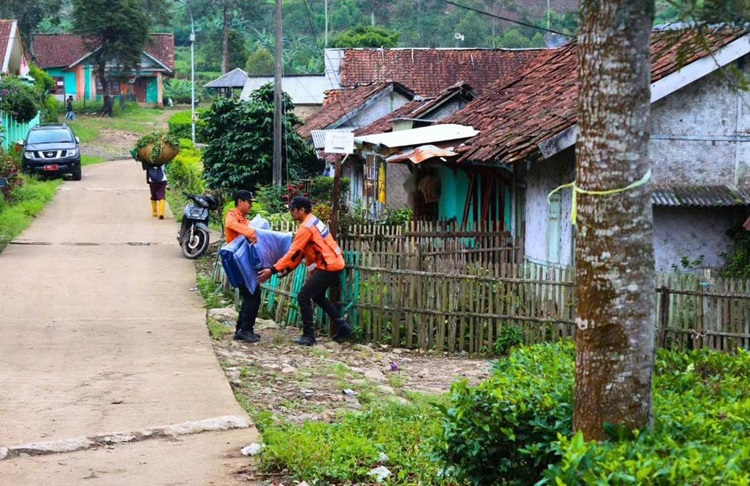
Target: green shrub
<point>700,436</point>
<point>503,430</point>
<point>510,336</point>
<point>515,428</point>
<point>11,170</point>
<point>185,171</point>
<point>53,108</point>
<point>18,99</point>
<point>321,190</point>
<point>344,452</point>
<point>180,125</point>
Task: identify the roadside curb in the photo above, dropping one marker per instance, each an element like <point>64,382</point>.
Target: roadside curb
<point>167,431</point>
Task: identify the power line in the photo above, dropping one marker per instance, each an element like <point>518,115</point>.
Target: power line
<point>506,18</point>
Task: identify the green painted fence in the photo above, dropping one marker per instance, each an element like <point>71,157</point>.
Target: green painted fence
<point>11,131</point>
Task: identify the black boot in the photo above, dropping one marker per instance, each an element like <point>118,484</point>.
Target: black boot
<point>247,336</point>
<point>307,338</point>
<point>343,330</point>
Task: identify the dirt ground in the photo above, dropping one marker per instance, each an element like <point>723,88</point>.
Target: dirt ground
<point>116,144</point>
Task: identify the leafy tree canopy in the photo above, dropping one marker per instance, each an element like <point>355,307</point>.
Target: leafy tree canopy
<point>30,14</point>
<point>117,29</point>
<point>239,154</point>
<point>260,63</point>
<point>367,36</point>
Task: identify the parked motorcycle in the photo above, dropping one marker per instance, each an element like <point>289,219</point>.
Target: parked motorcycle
<point>193,236</point>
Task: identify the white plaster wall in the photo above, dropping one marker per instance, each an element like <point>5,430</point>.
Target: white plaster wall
<point>376,111</point>
<point>541,179</point>
<point>691,233</point>
<point>707,108</point>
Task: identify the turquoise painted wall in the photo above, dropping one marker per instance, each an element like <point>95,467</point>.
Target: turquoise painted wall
<point>453,190</point>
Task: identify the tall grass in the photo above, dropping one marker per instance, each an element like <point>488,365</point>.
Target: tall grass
<point>28,201</point>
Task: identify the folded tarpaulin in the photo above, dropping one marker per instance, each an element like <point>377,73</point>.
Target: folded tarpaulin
<point>242,260</point>
<point>271,246</point>
<point>235,258</point>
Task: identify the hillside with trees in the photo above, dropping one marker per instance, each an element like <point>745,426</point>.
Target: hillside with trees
<point>247,26</point>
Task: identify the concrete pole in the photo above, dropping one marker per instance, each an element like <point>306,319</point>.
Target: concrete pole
<point>277,97</point>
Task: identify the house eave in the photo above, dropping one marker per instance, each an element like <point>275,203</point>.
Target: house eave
<point>662,88</point>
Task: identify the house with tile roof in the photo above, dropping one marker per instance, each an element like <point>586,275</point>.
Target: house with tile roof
<point>699,150</point>
<point>12,55</point>
<point>366,167</point>
<point>370,161</point>
<point>427,71</point>
<point>66,58</point>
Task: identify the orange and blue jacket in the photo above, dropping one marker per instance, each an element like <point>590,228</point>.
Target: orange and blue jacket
<point>314,242</point>
<point>236,224</point>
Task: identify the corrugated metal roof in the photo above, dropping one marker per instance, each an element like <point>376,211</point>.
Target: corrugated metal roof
<point>233,79</point>
<point>701,196</point>
<point>304,90</point>
<point>419,136</point>
<point>421,154</point>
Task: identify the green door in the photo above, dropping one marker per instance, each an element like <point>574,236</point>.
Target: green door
<point>152,91</point>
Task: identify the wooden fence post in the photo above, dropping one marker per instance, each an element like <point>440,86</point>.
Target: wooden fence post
<point>663,315</point>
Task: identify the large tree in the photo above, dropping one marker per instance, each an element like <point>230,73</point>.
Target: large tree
<point>115,30</point>
<point>30,14</point>
<point>615,273</point>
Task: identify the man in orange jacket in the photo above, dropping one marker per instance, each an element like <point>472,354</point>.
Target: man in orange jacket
<point>236,224</point>
<point>314,242</point>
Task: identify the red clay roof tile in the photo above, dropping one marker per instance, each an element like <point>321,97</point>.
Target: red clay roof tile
<point>5,28</point>
<point>340,103</point>
<point>429,71</point>
<point>62,50</point>
<point>515,115</point>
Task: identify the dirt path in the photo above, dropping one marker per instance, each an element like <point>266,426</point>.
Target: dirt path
<point>114,144</point>
<point>298,383</point>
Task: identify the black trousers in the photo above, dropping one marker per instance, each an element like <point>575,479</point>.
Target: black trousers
<point>314,290</point>
<point>249,309</point>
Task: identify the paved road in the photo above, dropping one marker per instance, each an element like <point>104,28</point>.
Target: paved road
<point>101,332</point>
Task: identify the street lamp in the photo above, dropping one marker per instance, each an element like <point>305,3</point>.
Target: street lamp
<point>192,68</point>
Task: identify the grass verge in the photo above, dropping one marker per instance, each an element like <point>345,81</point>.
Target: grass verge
<point>29,201</point>
<point>135,119</point>
<point>91,160</point>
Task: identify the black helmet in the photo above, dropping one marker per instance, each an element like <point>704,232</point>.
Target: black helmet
<point>211,202</point>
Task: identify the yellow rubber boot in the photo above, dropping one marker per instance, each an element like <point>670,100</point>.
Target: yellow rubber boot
<point>162,204</point>
<point>153,209</point>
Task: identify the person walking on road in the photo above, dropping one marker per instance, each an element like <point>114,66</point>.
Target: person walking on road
<point>314,242</point>
<point>70,115</point>
<point>236,224</point>
<point>156,177</point>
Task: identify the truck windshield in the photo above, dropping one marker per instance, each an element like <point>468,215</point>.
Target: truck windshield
<point>49,136</point>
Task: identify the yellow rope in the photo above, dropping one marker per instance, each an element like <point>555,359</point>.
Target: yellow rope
<point>574,210</point>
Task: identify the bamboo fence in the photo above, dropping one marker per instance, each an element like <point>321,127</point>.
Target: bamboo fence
<point>429,286</point>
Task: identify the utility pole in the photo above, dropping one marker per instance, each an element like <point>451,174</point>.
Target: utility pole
<point>325,11</point>
<point>277,95</point>
<point>225,42</point>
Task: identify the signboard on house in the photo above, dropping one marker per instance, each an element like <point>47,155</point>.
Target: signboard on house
<point>338,142</point>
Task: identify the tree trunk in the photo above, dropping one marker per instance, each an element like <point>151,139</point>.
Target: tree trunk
<point>615,274</point>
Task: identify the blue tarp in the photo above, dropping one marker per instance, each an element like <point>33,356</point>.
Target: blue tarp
<point>242,260</point>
